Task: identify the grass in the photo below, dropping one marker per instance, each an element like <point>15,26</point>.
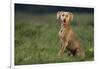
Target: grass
<point>37,42</point>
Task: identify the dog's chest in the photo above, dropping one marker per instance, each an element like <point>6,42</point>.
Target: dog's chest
<point>61,33</point>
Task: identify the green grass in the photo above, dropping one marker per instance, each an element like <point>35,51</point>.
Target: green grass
<point>37,42</point>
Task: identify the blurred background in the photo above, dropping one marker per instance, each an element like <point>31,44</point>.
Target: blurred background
<point>36,33</point>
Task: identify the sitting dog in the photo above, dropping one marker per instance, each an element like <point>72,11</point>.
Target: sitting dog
<point>67,37</point>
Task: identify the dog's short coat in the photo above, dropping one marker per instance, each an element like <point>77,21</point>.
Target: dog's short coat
<point>67,37</point>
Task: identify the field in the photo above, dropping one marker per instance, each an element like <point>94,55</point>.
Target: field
<point>37,42</point>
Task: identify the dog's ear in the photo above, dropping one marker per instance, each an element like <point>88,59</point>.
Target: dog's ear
<point>71,16</point>
<point>58,14</point>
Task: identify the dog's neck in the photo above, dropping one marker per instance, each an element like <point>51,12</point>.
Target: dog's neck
<point>65,25</point>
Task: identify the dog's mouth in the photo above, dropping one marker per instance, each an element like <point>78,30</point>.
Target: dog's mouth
<point>64,20</point>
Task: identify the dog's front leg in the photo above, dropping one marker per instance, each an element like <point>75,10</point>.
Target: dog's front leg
<point>61,48</point>
<point>65,45</point>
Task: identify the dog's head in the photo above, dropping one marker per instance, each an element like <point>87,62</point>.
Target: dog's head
<point>65,17</point>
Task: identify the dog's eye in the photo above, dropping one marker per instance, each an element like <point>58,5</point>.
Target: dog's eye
<point>62,14</point>
<point>66,15</point>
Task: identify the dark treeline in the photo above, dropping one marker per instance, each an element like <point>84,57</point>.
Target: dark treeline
<point>40,9</point>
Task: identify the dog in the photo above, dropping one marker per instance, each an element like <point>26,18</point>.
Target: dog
<point>68,39</point>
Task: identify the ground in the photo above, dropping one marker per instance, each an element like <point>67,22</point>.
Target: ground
<point>37,42</point>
